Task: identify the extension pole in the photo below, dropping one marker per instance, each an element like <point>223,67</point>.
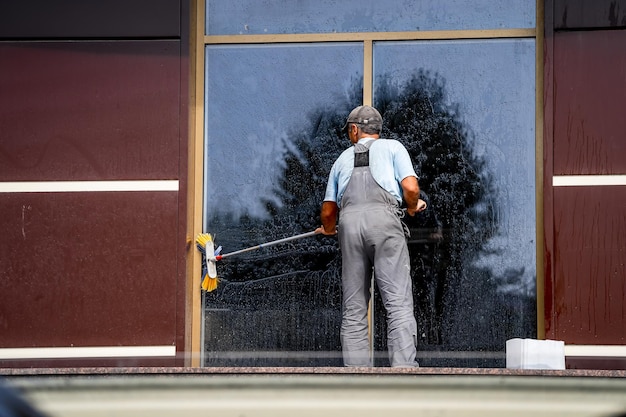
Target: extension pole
<point>263,245</point>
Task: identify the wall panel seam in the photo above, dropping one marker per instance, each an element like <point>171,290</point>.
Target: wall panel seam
<point>87,186</point>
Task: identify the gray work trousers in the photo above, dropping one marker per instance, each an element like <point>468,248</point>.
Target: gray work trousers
<point>371,236</point>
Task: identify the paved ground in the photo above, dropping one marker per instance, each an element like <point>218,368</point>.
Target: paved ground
<point>326,395</point>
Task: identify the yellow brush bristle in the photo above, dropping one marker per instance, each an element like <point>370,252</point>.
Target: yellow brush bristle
<point>209,284</point>
<point>203,238</point>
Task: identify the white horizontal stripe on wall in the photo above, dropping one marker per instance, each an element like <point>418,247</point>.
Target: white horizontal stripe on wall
<point>587,180</point>
<point>595,350</point>
<point>87,352</point>
<point>87,186</point>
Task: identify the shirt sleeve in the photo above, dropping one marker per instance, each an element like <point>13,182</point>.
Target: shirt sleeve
<point>332,185</point>
<point>403,166</point>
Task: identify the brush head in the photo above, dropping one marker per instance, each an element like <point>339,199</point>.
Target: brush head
<point>204,243</point>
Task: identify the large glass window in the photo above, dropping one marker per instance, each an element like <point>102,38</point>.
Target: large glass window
<point>273,116</point>
<point>465,109</point>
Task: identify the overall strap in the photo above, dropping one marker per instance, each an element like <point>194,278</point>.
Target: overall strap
<point>362,154</point>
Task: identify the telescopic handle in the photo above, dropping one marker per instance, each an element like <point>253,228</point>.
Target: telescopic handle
<point>263,245</point>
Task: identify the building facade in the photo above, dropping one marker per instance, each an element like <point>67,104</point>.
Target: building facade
<point>129,128</point>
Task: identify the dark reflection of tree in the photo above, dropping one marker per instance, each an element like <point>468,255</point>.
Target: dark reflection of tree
<point>457,305</point>
<point>461,194</point>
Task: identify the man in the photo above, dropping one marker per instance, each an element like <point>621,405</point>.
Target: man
<point>366,187</point>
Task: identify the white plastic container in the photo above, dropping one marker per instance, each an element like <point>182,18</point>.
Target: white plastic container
<point>535,354</point>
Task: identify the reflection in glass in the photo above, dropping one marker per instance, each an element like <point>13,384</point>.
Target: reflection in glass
<point>278,306</point>
<point>465,110</point>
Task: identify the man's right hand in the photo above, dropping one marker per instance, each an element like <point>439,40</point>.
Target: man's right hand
<point>324,232</point>
<point>421,206</point>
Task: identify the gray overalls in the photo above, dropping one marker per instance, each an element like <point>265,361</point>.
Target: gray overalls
<point>371,234</point>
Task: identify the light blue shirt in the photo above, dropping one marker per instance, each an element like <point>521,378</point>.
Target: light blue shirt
<point>390,163</point>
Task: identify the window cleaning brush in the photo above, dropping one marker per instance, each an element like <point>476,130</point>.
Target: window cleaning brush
<point>204,243</point>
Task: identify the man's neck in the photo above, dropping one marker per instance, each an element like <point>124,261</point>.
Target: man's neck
<point>368,137</point>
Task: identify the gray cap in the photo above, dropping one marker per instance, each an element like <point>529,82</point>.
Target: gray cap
<point>365,115</point>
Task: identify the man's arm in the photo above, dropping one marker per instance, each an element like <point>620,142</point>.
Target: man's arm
<point>411,193</point>
<point>328,216</point>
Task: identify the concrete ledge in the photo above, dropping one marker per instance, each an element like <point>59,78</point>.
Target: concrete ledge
<point>307,370</point>
<point>308,392</point>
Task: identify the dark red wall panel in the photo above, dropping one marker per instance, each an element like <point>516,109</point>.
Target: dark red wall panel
<point>90,110</point>
<point>587,294</point>
<point>589,98</point>
<point>88,269</point>
<point>93,91</point>
<point>90,19</point>
<point>585,225</point>
<point>590,265</point>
